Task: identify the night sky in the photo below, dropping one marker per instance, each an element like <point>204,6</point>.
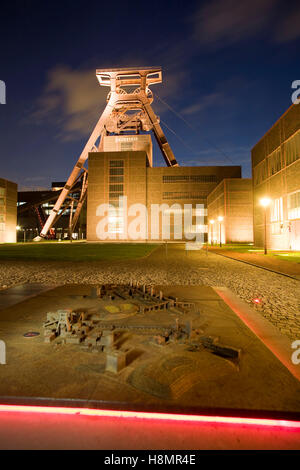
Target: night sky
<point>228,67</point>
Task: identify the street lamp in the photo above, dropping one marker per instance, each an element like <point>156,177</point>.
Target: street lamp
<point>220,219</point>
<point>211,232</point>
<point>265,202</point>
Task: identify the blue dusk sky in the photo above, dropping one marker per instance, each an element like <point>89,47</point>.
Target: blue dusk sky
<point>228,68</point>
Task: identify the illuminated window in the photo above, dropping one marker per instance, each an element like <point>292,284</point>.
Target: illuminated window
<point>292,149</point>
<point>116,188</point>
<point>116,171</point>
<point>116,163</point>
<point>116,175</point>
<point>274,162</point>
<point>260,172</point>
<point>277,210</point>
<point>116,179</point>
<point>294,205</point>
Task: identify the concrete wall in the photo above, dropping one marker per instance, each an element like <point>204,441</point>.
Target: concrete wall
<point>8,211</point>
<point>276,174</point>
<point>233,200</point>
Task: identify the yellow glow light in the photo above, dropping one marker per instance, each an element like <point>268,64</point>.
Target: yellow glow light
<point>265,201</point>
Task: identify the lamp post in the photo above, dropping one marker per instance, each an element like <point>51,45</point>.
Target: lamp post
<point>220,219</point>
<point>211,231</point>
<point>265,202</point>
<point>18,228</point>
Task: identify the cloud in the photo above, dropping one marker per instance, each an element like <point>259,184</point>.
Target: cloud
<point>288,28</point>
<point>72,100</point>
<point>237,155</point>
<point>207,101</point>
<point>220,23</point>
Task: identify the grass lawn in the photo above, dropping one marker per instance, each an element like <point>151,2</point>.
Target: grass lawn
<point>295,256</point>
<point>76,251</point>
<point>241,248</point>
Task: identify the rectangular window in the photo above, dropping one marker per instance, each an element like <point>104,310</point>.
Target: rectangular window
<point>114,195</point>
<point>183,195</point>
<point>189,179</point>
<point>274,162</point>
<point>260,172</point>
<point>116,175</point>
<point>292,149</point>
<point>116,163</point>
<point>294,205</point>
<point>277,210</point>
<point>116,179</point>
<point>116,171</point>
<point>116,188</point>
<point>126,146</point>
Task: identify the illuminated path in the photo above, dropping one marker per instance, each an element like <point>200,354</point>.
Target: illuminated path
<point>63,428</point>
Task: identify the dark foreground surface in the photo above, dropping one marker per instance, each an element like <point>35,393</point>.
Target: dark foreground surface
<point>155,376</point>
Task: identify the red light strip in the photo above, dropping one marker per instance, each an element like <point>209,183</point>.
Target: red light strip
<point>150,416</point>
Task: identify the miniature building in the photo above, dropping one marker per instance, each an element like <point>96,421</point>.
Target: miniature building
<point>115,361</point>
<point>276,175</point>
<point>129,173</point>
<point>232,199</point>
<point>8,211</point>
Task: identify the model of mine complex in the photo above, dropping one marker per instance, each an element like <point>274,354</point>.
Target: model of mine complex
<point>99,329</point>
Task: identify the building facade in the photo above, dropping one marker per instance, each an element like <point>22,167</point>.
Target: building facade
<point>8,211</point>
<point>167,193</point>
<point>276,175</point>
<point>34,208</point>
<point>232,202</point>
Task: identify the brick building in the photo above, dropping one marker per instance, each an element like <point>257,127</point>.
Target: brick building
<point>232,200</point>
<point>276,175</point>
<point>127,171</point>
<point>8,211</point>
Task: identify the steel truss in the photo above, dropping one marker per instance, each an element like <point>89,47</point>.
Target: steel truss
<point>128,110</point>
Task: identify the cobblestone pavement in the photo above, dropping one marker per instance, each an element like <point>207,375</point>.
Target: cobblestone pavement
<point>279,295</point>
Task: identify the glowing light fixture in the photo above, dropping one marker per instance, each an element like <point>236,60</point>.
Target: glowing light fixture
<point>220,219</point>
<point>211,235</point>
<point>151,416</point>
<point>265,202</point>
